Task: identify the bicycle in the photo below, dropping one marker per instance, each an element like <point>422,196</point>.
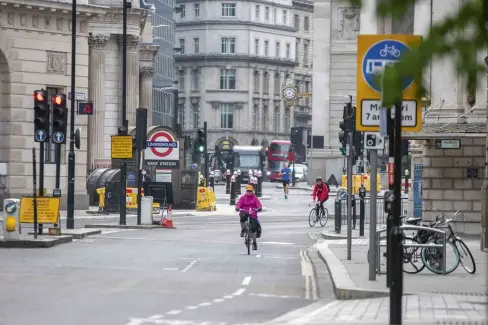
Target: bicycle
<point>392,50</point>
<point>248,230</point>
<point>432,259</point>
<point>322,218</point>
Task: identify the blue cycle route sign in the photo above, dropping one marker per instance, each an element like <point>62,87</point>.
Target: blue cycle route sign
<point>382,53</point>
<point>58,137</point>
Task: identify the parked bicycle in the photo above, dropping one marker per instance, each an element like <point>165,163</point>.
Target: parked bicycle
<point>317,215</point>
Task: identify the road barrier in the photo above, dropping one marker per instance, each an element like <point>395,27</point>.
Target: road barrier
<point>206,199</point>
<point>381,215</point>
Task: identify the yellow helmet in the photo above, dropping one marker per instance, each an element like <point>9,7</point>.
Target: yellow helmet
<point>249,187</point>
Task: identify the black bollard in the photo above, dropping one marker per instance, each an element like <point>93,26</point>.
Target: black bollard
<point>362,199</point>
<point>238,183</point>
<point>232,191</point>
<point>211,181</point>
<point>337,213</point>
<point>353,203</point>
<point>260,185</point>
<point>227,182</point>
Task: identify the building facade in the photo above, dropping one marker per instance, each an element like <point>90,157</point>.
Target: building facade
<point>163,29</point>
<point>450,179</point>
<point>36,54</point>
<point>234,58</point>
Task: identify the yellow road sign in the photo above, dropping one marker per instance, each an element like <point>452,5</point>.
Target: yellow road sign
<point>304,94</point>
<point>47,209</point>
<point>121,147</point>
<point>374,52</point>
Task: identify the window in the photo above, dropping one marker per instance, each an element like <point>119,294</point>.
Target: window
<point>276,118</point>
<point>287,118</point>
<point>256,46</point>
<point>228,9</point>
<point>183,10</point>
<point>307,90</point>
<point>247,161</point>
<point>227,79</point>
<point>182,46</point>
<point>196,114</point>
<point>181,115</point>
<point>265,119</point>
<point>226,116</point>
<point>274,16</point>
<point>277,49</point>
<point>228,45</point>
<point>285,17</point>
<point>305,52</point>
<point>266,13</point>
<point>266,48</point>
<point>306,23</point>
<point>255,117</point>
<point>50,148</point>
<point>196,9</point>
<point>266,83</point>
<point>297,44</point>
<point>288,50</point>
<point>277,83</point>
<point>181,80</point>
<point>296,22</point>
<point>195,83</point>
<point>258,12</point>
<point>196,45</point>
<point>256,81</point>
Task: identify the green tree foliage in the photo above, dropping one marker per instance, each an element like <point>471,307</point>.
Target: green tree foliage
<point>461,35</point>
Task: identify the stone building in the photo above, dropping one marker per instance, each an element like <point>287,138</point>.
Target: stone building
<point>234,59</point>
<point>36,54</point>
<point>451,179</point>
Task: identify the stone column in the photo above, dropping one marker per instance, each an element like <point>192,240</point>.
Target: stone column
<point>96,92</point>
<point>132,78</point>
<point>145,91</point>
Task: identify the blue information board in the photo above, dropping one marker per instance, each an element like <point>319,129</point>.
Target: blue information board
<point>417,190</point>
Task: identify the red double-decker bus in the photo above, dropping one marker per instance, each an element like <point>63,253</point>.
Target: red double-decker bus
<point>277,156</point>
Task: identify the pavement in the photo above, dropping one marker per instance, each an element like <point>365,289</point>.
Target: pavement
<point>198,274</point>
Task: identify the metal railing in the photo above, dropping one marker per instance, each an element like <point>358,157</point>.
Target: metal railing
<point>381,215</point>
<point>380,243</point>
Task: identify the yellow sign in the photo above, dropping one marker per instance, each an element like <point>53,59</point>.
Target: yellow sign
<point>47,209</point>
<point>304,94</point>
<point>121,147</point>
<point>374,52</point>
<point>205,199</point>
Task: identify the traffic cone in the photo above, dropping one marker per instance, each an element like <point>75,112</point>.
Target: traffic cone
<point>167,221</point>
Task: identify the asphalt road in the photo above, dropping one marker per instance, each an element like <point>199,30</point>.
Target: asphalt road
<point>199,273</point>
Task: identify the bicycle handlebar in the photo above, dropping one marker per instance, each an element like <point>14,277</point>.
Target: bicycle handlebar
<point>250,210</point>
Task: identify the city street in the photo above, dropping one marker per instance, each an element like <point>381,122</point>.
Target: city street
<point>199,273</point>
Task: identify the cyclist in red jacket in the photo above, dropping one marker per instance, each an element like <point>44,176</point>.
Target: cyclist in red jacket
<point>320,193</point>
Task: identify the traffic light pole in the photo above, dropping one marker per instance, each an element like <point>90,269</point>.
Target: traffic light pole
<point>350,153</point>
<point>205,152</point>
<point>57,152</point>
<point>41,177</point>
<point>70,220</point>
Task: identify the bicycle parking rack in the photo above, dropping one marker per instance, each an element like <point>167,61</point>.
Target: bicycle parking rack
<point>417,228</point>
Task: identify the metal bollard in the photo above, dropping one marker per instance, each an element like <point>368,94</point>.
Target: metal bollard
<point>250,176</point>
<point>238,182</point>
<point>362,208</point>
<point>353,203</point>
<point>227,181</point>
<point>211,180</point>
<point>232,190</point>
<point>337,213</point>
<point>260,183</point>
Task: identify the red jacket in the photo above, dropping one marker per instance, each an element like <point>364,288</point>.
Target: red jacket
<point>320,192</point>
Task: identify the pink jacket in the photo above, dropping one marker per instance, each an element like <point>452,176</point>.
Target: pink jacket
<point>247,202</point>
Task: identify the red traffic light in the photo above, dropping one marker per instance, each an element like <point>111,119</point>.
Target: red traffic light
<point>58,100</point>
<point>39,96</point>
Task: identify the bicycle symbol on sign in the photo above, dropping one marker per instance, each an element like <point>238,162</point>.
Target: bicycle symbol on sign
<point>392,50</point>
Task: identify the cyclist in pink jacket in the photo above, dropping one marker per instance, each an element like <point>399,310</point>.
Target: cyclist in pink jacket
<point>250,202</point>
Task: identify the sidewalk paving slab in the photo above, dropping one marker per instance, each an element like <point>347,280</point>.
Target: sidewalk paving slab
<point>27,241</point>
<point>78,233</point>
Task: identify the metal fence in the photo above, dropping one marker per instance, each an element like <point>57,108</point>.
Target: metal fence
<point>380,211</point>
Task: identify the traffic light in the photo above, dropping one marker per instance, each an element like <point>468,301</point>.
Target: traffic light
<point>60,118</point>
<point>41,116</point>
<point>200,141</point>
<point>343,136</point>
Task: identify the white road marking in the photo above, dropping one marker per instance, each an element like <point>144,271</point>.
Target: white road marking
<point>170,269</point>
<point>308,273</point>
<point>265,295</point>
<point>258,255</point>
<point>191,307</point>
<point>246,281</point>
<point>173,312</point>
<point>228,297</point>
<point>189,266</point>
<point>205,304</point>
<point>156,317</point>
<point>217,300</point>
<point>275,243</point>
<point>239,292</point>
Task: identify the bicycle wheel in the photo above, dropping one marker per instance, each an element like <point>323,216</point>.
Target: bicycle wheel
<point>248,240</point>
<point>412,257</point>
<point>324,216</point>
<point>312,218</point>
<point>465,257</point>
<point>432,257</point>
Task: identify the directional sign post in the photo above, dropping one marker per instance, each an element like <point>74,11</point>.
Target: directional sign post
<point>40,136</point>
<point>374,53</point>
<point>58,137</point>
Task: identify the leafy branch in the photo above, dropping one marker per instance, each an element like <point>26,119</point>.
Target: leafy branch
<point>461,35</point>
